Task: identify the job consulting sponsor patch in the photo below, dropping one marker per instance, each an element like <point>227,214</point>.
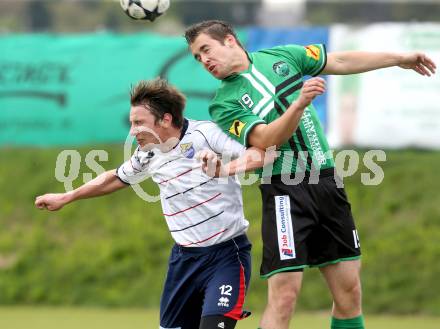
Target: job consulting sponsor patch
<point>286,242</point>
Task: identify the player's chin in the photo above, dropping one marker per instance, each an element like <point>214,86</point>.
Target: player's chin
<point>220,76</point>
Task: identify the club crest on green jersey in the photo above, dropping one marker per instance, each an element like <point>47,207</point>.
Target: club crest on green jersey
<point>281,68</point>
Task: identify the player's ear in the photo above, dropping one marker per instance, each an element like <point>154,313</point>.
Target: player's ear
<point>229,41</point>
<point>166,121</point>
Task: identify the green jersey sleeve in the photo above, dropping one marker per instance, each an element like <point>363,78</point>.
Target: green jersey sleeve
<point>234,120</point>
<point>310,59</point>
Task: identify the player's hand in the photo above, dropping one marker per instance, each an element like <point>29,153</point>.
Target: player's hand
<point>311,88</point>
<point>211,163</point>
<point>418,62</point>
<point>52,201</point>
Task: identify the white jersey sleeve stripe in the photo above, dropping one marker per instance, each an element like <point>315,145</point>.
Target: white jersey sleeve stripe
<point>135,170</point>
<point>122,180</point>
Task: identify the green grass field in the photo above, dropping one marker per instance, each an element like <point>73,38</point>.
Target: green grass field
<point>89,318</point>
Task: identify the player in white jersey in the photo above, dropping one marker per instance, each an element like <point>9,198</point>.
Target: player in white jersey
<point>209,267</point>
<point>200,211</point>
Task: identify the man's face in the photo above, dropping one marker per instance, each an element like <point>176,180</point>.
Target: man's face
<point>215,57</point>
<point>143,126</point>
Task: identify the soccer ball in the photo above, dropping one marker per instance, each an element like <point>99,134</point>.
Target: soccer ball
<point>145,9</point>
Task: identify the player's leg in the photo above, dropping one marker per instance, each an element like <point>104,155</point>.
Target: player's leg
<point>217,322</point>
<point>186,317</point>
<point>338,253</point>
<point>287,223</point>
<point>226,285</point>
<point>283,291</point>
<point>343,280</point>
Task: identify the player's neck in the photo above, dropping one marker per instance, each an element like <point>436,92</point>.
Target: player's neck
<point>171,139</point>
<point>241,62</point>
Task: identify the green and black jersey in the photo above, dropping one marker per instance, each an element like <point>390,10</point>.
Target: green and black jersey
<point>263,92</point>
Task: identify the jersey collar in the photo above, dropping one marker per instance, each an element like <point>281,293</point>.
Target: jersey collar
<point>183,132</point>
<point>184,128</point>
<point>250,57</point>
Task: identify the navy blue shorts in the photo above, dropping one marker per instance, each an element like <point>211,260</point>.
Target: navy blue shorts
<point>205,281</point>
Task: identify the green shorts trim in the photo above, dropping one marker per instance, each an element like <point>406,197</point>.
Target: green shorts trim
<point>287,269</point>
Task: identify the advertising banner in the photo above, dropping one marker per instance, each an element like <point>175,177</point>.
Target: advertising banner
<point>74,89</point>
<point>390,108</point>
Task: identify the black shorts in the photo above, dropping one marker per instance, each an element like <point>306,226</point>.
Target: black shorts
<point>306,225</point>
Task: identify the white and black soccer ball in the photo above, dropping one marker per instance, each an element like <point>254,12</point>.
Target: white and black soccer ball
<point>145,9</point>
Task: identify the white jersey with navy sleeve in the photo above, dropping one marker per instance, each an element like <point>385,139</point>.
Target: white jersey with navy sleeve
<point>199,210</point>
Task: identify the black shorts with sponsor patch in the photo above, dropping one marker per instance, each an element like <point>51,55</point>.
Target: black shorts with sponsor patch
<point>306,225</point>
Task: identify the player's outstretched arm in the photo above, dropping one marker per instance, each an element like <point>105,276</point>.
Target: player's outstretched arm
<point>279,131</point>
<point>253,158</point>
<point>350,62</point>
<point>105,183</point>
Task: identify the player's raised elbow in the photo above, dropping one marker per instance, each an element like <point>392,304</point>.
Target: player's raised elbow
<point>261,137</point>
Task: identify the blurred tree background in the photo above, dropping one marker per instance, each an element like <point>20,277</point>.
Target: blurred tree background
<point>93,15</point>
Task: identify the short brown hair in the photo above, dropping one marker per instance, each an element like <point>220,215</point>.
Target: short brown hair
<point>161,98</point>
<point>216,29</point>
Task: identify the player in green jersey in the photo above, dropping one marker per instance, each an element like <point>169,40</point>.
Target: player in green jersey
<point>304,225</point>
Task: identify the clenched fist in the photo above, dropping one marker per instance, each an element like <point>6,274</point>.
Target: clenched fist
<point>311,88</point>
<point>211,163</point>
<point>52,201</point>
